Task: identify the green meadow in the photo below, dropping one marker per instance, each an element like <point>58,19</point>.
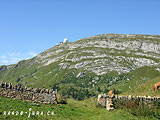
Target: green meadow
<point>74,110</point>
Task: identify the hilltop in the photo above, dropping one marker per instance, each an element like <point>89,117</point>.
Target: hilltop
<point>91,65</point>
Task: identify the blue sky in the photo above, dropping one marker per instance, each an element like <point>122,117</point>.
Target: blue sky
<point>28,27</point>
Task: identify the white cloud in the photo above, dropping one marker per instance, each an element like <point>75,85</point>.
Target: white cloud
<point>10,58</point>
<point>15,57</point>
<point>12,54</point>
<point>2,57</point>
<point>14,60</point>
<point>27,58</point>
<point>4,61</point>
<point>32,54</point>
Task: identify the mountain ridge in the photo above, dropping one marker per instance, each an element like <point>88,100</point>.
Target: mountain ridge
<point>89,63</point>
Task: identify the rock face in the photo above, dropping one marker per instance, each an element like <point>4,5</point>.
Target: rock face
<point>105,53</point>
<point>31,94</point>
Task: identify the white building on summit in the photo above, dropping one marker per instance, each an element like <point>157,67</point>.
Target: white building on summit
<point>65,40</point>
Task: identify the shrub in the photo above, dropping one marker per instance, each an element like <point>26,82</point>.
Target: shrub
<point>61,100</point>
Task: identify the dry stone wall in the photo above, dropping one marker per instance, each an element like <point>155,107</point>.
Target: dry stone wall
<point>28,94</point>
<point>107,101</point>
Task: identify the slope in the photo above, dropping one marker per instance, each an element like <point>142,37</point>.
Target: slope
<point>91,65</point>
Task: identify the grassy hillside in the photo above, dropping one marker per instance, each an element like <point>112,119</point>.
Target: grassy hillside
<point>74,110</point>
<point>143,78</point>
<point>91,65</point>
<point>145,88</point>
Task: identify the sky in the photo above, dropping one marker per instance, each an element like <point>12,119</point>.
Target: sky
<point>29,27</point>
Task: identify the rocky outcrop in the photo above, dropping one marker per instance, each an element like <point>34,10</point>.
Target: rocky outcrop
<point>105,53</point>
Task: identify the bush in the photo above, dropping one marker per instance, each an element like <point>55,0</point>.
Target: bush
<point>61,100</point>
